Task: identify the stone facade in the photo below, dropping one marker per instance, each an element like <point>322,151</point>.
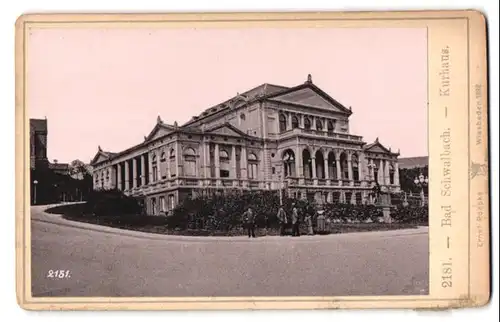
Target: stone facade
<point>271,137</point>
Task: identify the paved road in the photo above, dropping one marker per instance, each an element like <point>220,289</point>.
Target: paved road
<point>109,264</point>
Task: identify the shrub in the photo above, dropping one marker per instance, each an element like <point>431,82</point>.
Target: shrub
<point>112,203</point>
<point>411,215</point>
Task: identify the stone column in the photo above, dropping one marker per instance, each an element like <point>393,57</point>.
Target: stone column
<point>244,163</point>
<point>289,121</point>
<point>387,175</point>
<point>325,167</point>
<point>301,121</point>
<point>167,168</point>
<point>361,165</point>
<point>127,175</point>
<point>177,159</point>
<point>206,159</point>
<point>396,173</point>
<point>299,167</point>
<point>313,125</point>
<point>380,176</point>
<point>143,170</point>
<point>119,176</point>
<point>313,167</point>
<point>325,125</point>
<point>233,162</point>
<point>337,161</point>
<point>349,167</point>
<point>158,167</point>
<point>150,170</point>
<point>134,173</point>
<point>217,161</point>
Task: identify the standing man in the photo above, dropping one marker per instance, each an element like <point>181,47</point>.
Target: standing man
<point>295,221</point>
<point>282,220</point>
<point>249,220</point>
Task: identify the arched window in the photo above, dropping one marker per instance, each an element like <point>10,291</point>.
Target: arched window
<point>224,164</point>
<point>154,167</point>
<point>163,157</point>
<point>242,117</point>
<point>344,166</point>
<point>289,163</point>
<point>295,122</point>
<point>391,174</point>
<point>330,126</point>
<point>282,119</point>
<point>252,166</point>
<point>172,163</point>
<point>307,123</point>
<point>190,162</point>
<point>319,125</point>
<point>355,167</point>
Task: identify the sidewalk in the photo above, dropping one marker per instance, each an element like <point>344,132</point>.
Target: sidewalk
<point>38,214</point>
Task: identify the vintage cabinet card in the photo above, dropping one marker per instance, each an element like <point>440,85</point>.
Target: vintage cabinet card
<point>252,161</point>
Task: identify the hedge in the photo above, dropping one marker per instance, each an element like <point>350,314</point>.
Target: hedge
<point>224,212</point>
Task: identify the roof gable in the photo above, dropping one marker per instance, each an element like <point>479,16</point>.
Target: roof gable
<point>309,94</point>
<point>226,129</point>
<point>99,157</point>
<point>159,130</point>
<point>377,147</point>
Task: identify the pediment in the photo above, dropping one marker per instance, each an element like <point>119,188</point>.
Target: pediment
<point>99,157</point>
<point>226,129</point>
<point>310,97</point>
<point>158,131</point>
<point>377,148</point>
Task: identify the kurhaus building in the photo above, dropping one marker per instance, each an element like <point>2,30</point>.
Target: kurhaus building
<point>268,138</point>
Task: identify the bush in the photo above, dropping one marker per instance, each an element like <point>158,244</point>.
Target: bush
<point>224,212</point>
<point>112,203</point>
<point>411,215</point>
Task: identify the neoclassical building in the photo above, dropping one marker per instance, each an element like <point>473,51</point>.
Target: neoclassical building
<point>268,138</point>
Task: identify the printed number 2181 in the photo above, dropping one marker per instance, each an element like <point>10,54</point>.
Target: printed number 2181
<point>58,274</point>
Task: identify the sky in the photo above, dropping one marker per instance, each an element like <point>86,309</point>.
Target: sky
<point>106,86</point>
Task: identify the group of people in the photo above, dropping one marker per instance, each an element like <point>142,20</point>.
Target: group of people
<point>283,219</point>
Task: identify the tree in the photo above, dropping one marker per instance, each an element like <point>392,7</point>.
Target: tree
<point>79,170</point>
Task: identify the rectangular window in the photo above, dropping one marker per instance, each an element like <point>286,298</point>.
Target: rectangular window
<point>224,173</point>
<point>153,206</point>
<point>163,207</point>
<point>173,171</point>
<point>252,171</point>
<point>190,168</point>
<point>155,173</point>
<point>171,202</point>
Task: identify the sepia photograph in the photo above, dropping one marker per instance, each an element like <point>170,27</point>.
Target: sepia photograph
<point>191,160</point>
<point>238,140</point>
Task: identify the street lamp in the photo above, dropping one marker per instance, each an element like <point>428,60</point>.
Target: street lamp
<point>35,182</point>
<point>421,182</point>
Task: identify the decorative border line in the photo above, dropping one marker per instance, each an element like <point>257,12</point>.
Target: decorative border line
<point>253,299</point>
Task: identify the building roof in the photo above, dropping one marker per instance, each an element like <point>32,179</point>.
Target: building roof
<point>262,90</point>
<point>413,162</point>
<point>265,91</point>
<point>38,125</point>
<point>59,166</point>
